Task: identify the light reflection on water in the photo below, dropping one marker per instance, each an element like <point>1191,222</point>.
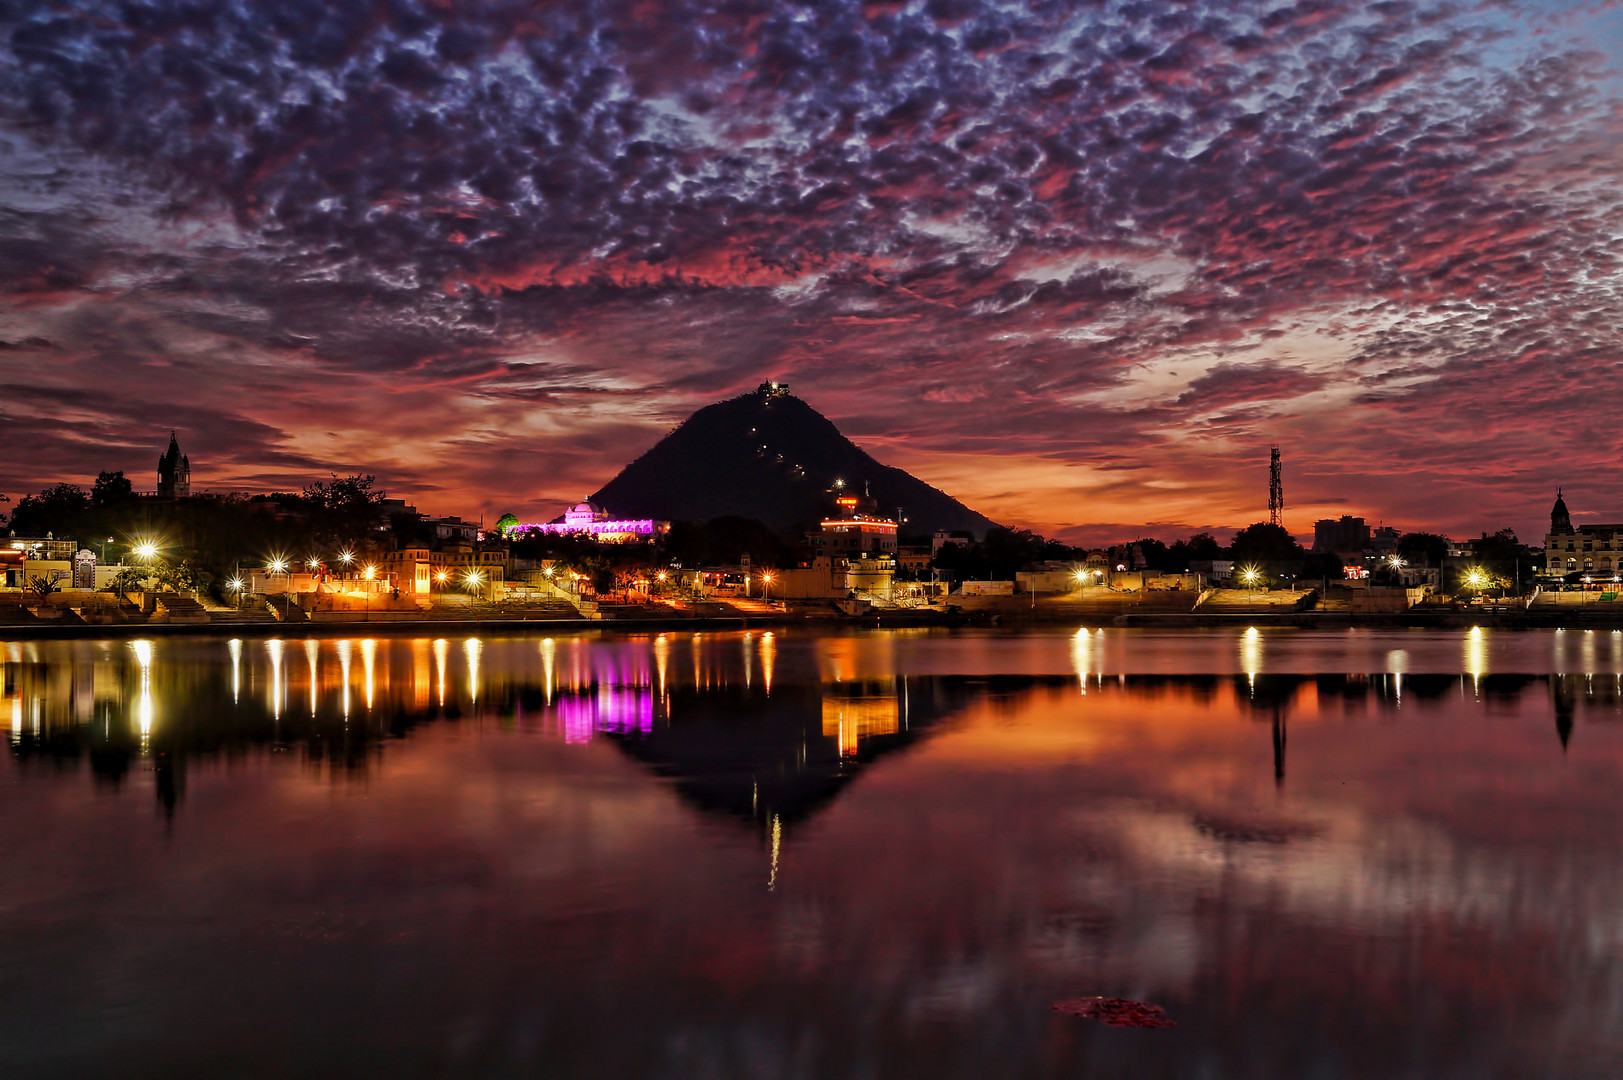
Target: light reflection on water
<point>1359,854</point>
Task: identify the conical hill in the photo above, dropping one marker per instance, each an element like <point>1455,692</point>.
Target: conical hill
<point>770,456</point>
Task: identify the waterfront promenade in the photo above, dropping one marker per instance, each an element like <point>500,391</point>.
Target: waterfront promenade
<point>1045,611</point>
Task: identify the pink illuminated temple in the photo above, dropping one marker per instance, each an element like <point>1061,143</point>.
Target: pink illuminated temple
<point>585,519</point>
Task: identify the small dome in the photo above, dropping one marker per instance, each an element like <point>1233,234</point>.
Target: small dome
<point>1560,519</point>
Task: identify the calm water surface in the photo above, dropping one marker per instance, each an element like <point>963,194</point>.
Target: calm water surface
<point>791,854</point>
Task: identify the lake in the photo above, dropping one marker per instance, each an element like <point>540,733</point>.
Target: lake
<point>814,854</point>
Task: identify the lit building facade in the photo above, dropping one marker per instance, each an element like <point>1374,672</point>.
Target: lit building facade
<point>589,520</point>
<point>860,547</point>
<point>1589,549</point>
<point>854,533</point>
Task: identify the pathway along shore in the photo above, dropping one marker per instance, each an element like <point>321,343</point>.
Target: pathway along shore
<point>900,619</point>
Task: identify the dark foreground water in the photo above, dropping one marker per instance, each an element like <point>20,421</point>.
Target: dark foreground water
<point>790,855</point>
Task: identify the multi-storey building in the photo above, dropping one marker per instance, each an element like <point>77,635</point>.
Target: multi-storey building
<point>1589,549</point>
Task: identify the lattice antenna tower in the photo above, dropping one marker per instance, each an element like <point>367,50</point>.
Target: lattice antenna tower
<point>1276,490</point>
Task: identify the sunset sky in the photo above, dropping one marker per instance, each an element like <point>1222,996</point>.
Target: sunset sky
<point>1076,263</point>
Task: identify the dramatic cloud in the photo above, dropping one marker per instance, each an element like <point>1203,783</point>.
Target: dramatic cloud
<point>1077,263</point>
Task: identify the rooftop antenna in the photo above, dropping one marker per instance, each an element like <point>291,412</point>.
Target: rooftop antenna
<point>1276,490</point>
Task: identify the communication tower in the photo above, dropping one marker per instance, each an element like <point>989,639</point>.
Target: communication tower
<point>1276,490</point>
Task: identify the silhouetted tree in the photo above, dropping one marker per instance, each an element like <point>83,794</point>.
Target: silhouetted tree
<point>723,541</point>
<point>345,508</point>
<point>1156,554</point>
<point>111,489</point>
<point>1201,547</point>
<point>43,585</point>
<point>58,510</point>
<point>1423,548</point>
<point>1505,557</point>
<point>1264,542</point>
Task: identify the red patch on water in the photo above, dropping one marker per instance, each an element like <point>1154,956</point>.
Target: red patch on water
<point>1117,1012</point>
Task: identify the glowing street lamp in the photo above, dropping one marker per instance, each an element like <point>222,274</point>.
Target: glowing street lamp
<point>277,565</point>
<point>766,582</point>
<point>369,573</point>
<point>235,585</point>
<point>313,563</point>
<point>442,577</point>
<point>145,550</point>
<point>1251,575</point>
<point>472,580</point>
<point>1476,578</point>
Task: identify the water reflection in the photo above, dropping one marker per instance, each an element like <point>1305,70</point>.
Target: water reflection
<point>853,855</point>
<point>727,731</point>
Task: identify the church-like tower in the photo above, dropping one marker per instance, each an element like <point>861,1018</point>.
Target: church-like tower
<point>1560,520</point>
<point>174,472</point>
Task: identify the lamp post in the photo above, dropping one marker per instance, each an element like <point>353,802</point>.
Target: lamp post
<point>145,551</point>
<point>766,584</point>
<point>369,574</point>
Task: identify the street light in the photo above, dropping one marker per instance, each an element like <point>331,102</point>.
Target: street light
<point>145,551</point>
<point>472,580</point>
<point>235,585</point>
<point>1251,575</point>
<point>766,582</point>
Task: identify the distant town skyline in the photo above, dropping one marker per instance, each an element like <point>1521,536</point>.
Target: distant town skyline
<point>1077,267</point>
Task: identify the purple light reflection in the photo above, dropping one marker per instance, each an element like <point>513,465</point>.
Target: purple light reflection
<point>613,710</point>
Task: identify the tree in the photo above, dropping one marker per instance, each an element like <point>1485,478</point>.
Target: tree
<point>129,579</point>
<point>111,489</point>
<point>1264,542</point>
<point>345,507</point>
<point>43,584</point>
<point>1157,556</point>
<point>1505,557</point>
<point>723,541</point>
<point>56,510</point>
<point>506,522</point>
<point>1423,549</point>
<point>180,576</point>
<point>1201,547</point>
<point>1323,566</point>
